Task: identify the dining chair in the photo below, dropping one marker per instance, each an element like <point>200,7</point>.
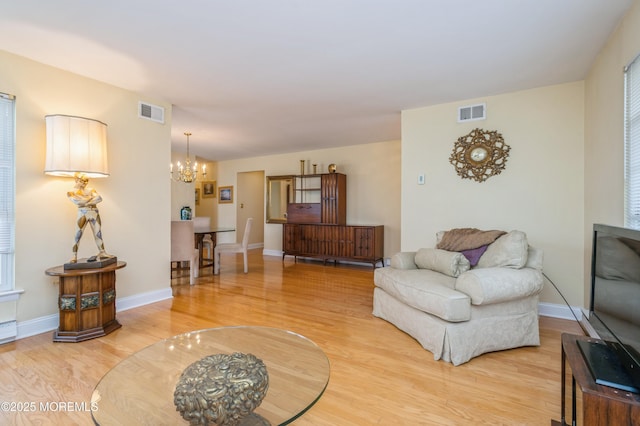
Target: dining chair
<point>233,248</point>
<point>204,223</point>
<point>183,247</point>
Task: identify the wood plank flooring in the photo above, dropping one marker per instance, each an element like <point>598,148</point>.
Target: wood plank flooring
<point>379,375</point>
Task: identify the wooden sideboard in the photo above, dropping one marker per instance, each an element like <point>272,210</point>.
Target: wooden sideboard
<point>601,405</point>
<point>358,243</point>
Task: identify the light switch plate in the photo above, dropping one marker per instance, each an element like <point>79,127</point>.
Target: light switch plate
<point>421,179</point>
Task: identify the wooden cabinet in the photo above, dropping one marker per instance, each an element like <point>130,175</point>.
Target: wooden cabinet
<point>320,198</point>
<point>316,223</point>
<point>601,405</point>
<point>87,302</point>
<point>359,243</point>
<point>333,198</point>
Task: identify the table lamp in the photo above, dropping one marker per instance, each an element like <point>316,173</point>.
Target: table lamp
<point>77,147</point>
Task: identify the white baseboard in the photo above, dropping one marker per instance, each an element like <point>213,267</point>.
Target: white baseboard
<point>272,253</point>
<point>142,299</point>
<point>37,326</point>
<point>560,311</point>
<point>50,322</point>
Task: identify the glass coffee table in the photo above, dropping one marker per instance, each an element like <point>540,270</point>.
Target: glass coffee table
<point>140,389</point>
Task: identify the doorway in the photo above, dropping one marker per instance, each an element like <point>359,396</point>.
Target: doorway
<point>250,202</point>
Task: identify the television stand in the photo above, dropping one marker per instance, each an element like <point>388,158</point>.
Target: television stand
<point>601,405</point>
<point>605,366</point>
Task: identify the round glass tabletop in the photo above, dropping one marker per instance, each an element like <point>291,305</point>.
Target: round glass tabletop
<point>140,389</point>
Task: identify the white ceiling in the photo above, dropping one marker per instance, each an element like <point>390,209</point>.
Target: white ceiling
<point>254,77</point>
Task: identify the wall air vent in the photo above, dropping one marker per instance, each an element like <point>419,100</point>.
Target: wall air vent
<point>472,113</point>
<point>151,112</point>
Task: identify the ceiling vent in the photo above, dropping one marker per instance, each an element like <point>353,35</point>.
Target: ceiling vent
<point>151,112</point>
<point>472,113</point>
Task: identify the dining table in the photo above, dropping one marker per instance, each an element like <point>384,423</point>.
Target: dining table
<point>200,233</point>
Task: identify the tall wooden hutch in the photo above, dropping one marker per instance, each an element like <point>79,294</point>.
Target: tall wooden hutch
<point>317,223</point>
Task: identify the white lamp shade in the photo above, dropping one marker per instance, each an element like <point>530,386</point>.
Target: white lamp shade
<point>76,145</point>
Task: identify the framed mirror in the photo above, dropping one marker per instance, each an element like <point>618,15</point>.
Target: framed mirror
<point>279,195</point>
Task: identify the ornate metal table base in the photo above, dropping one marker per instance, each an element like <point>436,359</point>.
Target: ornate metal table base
<point>222,390</point>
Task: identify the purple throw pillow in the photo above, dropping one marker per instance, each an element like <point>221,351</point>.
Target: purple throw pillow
<point>473,255</point>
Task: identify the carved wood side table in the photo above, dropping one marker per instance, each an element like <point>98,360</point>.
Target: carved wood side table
<point>87,302</point>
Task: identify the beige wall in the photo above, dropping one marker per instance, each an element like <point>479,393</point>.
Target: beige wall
<point>373,186</point>
<point>604,130</point>
<point>135,211</point>
<point>540,191</point>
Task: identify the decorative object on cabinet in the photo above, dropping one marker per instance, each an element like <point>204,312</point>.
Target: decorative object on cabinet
<point>332,168</point>
<point>279,195</point>
<point>225,195</point>
<point>357,243</point>
<point>77,147</point>
<point>187,173</point>
<point>302,167</point>
<point>209,189</point>
<point>319,199</point>
<point>479,155</point>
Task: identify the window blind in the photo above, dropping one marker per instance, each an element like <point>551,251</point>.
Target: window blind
<point>632,144</point>
<point>7,191</point>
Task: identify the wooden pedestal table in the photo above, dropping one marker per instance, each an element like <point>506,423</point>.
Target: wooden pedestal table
<point>87,302</point>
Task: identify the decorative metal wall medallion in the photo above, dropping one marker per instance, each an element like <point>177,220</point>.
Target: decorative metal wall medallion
<point>480,155</point>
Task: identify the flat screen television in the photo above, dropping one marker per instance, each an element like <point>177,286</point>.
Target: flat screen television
<point>614,311</point>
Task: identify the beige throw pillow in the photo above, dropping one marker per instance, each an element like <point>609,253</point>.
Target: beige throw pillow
<point>510,250</point>
<point>446,262</point>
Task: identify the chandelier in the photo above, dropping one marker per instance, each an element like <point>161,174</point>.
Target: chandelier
<point>187,173</point>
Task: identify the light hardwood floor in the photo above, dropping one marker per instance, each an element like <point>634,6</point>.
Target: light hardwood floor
<point>379,375</point>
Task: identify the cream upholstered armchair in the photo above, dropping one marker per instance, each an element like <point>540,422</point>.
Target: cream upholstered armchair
<point>183,247</point>
<point>463,303</point>
<point>233,248</point>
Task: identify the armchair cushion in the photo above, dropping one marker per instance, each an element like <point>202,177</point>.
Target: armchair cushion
<point>510,250</point>
<point>404,260</point>
<point>425,290</point>
<point>446,262</point>
<point>494,285</point>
